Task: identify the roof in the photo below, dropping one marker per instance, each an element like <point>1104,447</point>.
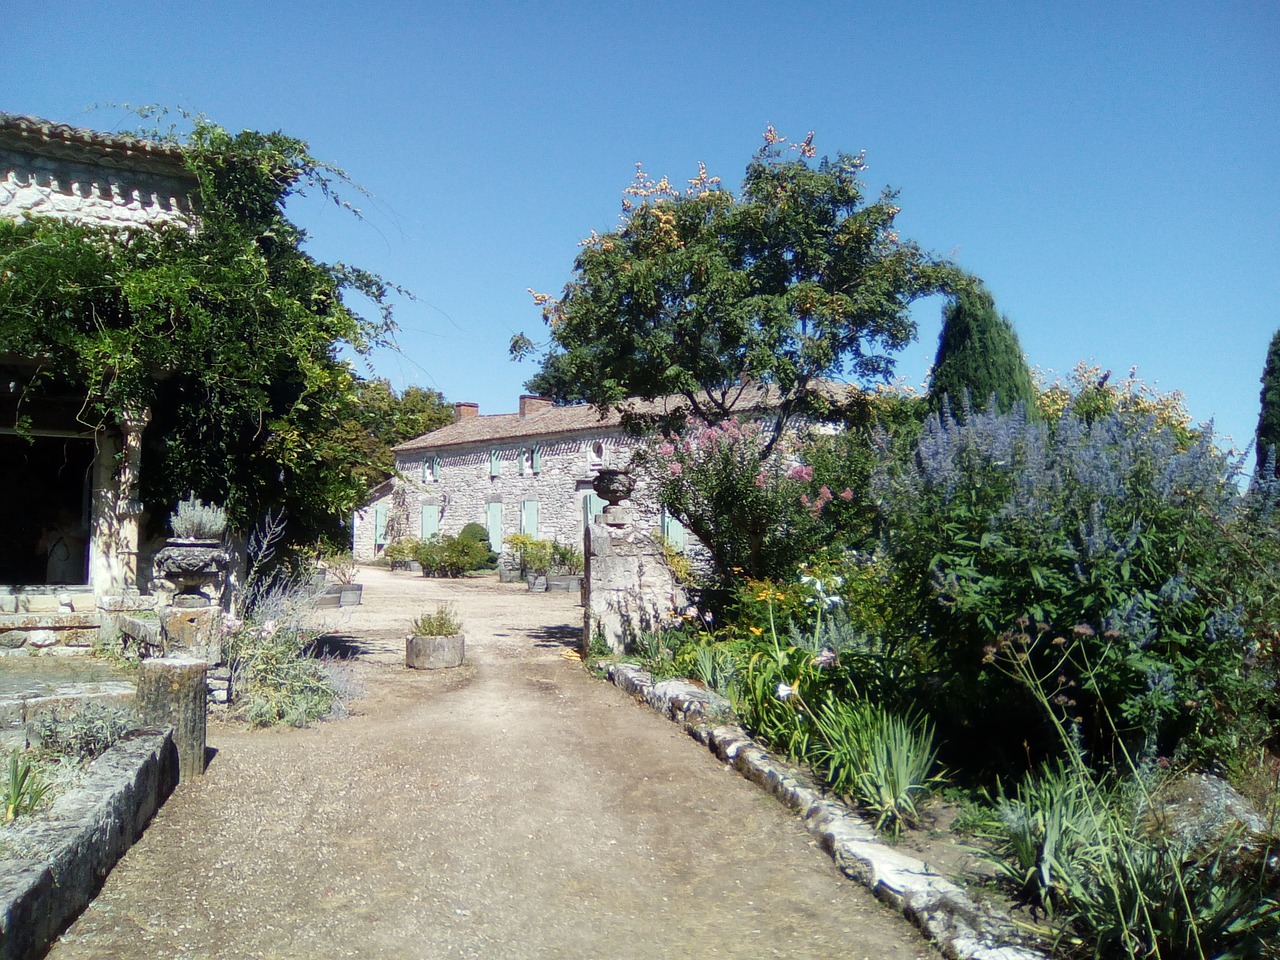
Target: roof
<point>64,142</point>
<point>583,418</point>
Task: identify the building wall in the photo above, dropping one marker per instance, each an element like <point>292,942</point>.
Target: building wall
<point>93,195</point>
<point>466,488</point>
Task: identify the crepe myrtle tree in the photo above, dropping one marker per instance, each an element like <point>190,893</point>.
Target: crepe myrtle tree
<point>700,292</point>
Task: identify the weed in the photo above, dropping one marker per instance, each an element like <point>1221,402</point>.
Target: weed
<point>24,789</point>
<point>83,733</point>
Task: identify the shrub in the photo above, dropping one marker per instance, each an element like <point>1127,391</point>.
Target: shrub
<point>450,556</point>
<point>534,556</point>
<point>85,732</point>
<point>341,564</point>
<point>442,622</point>
<point>566,558</point>
<point>1105,534</point>
<point>400,552</point>
<point>195,520</point>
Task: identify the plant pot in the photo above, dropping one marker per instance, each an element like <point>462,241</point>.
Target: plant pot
<point>509,575</point>
<point>538,584</point>
<point>567,583</point>
<point>613,485</point>
<point>435,653</point>
<point>350,593</point>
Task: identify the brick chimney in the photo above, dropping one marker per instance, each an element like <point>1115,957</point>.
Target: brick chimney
<point>530,404</point>
<point>465,411</point>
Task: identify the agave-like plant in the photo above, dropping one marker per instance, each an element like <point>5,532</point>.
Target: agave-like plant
<point>24,789</point>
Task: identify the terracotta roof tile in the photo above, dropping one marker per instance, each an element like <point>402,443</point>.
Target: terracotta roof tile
<point>578,418</point>
<point>34,135</point>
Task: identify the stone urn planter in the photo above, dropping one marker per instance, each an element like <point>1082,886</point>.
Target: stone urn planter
<point>613,485</point>
<point>435,653</point>
<point>194,571</point>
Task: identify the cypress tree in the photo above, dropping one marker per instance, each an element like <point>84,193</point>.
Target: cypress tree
<point>978,352</point>
<point>1268,435</point>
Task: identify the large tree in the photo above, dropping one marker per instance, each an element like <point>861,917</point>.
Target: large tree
<point>697,292</point>
<point>382,418</point>
<point>228,331</point>
<point>1268,434</point>
<point>979,356</point>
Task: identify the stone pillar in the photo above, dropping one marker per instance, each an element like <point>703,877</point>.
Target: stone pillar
<point>175,693</point>
<point>113,542</point>
<point>628,584</point>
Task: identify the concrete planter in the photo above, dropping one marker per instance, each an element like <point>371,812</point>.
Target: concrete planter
<point>434,653</point>
<point>566,583</point>
<point>350,595</point>
<point>538,584</point>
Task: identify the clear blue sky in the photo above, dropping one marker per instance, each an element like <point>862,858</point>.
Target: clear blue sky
<point>1108,168</point>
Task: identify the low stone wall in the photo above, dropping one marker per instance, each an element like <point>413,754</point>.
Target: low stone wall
<point>962,929</point>
<point>52,867</point>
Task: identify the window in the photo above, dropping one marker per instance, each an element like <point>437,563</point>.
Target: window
<point>535,456</point>
<point>673,531</point>
<point>494,466</point>
<point>526,461</point>
<point>597,454</point>
<point>431,470</point>
<point>380,525</point>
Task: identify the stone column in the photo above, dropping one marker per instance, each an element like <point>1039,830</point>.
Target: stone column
<point>628,584</point>
<point>174,692</point>
<point>113,542</point>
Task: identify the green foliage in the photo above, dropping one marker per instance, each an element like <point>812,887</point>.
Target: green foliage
<point>196,520</point>
<point>979,357</point>
<point>84,732</point>
<point>441,622</point>
<point>1105,539</point>
<point>1268,433</point>
<point>566,559</point>
<point>476,532</point>
<point>534,556</point>
<point>228,332</point>
<point>885,762</point>
<point>798,277</point>
<point>379,418</point>
<point>399,552</point>
<point>24,790</point>
<point>449,556</point>
<point>340,564</point>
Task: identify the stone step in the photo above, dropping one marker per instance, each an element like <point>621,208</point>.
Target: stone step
<point>41,630</point>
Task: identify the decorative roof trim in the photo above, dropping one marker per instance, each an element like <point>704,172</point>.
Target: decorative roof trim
<point>61,141</point>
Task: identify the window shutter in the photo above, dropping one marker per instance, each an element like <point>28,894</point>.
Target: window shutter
<point>430,520</point>
<point>537,459</point>
<point>493,463</point>
<point>529,518</point>
<point>493,522</point>
<point>380,525</point>
<point>426,469</point>
<point>673,531</point>
<point>435,468</point>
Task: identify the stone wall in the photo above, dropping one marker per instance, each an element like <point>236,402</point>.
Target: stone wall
<point>90,194</point>
<point>630,588</point>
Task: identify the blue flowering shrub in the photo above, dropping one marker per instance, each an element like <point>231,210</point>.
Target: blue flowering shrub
<point>1114,534</point>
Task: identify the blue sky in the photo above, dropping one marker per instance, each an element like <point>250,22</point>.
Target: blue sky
<point>1107,168</point>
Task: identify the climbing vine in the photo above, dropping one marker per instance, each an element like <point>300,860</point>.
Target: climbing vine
<point>225,328</point>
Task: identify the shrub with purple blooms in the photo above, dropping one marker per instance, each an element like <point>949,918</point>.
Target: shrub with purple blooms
<point>1110,533</point>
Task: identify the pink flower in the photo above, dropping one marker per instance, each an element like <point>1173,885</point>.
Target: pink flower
<point>762,480</point>
<point>675,469</point>
<point>800,472</point>
<point>846,494</point>
<point>666,449</point>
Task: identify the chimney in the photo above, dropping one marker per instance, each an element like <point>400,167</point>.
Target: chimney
<point>465,411</point>
<point>530,404</point>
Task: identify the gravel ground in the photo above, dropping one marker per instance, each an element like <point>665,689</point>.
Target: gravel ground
<point>514,807</point>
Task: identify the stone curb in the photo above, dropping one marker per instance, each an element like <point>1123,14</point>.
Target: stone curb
<point>61,860</point>
<point>961,928</point>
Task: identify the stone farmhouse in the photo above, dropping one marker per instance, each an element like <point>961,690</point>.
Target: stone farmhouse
<point>527,472</point>
<point>68,515</point>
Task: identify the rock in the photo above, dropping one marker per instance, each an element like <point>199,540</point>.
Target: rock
<point>1203,811</point>
<point>434,653</point>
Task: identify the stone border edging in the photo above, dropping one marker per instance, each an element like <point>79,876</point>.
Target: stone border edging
<point>63,858</point>
<point>942,910</point>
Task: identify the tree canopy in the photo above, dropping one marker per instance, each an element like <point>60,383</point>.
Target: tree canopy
<point>696,292</point>
<point>228,331</point>
<point>1268,434</point>
<point>979,356</point>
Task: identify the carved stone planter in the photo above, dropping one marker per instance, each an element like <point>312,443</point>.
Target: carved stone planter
<point>192,573</point>
<point>435,653</point>
<point>613,485</point>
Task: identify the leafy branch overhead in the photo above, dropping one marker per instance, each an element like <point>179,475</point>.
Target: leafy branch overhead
<point>225,327</point>
<point>796,278</point>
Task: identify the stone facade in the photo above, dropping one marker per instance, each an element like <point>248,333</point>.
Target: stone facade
<point>540,485</point>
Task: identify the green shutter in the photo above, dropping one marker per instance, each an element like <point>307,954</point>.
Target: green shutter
<point>426,470</point>
<point>430,520</point>
<point>435,468</point>
<point>537,459</point>
<point>380,525</point>
<point>592,507</point>
<point>529,518</point>
<point>493,463</point>
<point>493,523</point>
<point>673,530</point>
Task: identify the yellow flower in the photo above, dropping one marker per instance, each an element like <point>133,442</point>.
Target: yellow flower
<point>755,631</point>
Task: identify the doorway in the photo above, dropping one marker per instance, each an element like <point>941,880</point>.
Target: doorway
<point>45,485</point>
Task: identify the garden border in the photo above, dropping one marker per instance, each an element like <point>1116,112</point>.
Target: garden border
<point>62,859</point>
<point>962,929</point>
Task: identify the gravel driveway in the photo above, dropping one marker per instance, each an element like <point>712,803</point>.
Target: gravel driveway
<point>514,807</point>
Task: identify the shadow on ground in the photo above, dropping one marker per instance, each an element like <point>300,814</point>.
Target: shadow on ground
<point>564,635</point>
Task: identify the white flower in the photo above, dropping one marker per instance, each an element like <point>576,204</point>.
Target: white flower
<point>785,691</point>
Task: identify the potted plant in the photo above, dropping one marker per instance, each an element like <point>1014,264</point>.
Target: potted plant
<point>341,565</point>
<point>566,567</point>
<point>435,640</point>
<point>536,560</point>
<point>191,567</point>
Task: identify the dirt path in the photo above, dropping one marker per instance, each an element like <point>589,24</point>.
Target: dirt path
<point>512,808</point>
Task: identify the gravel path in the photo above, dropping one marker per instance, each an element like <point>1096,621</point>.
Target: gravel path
<point>514,807</point>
